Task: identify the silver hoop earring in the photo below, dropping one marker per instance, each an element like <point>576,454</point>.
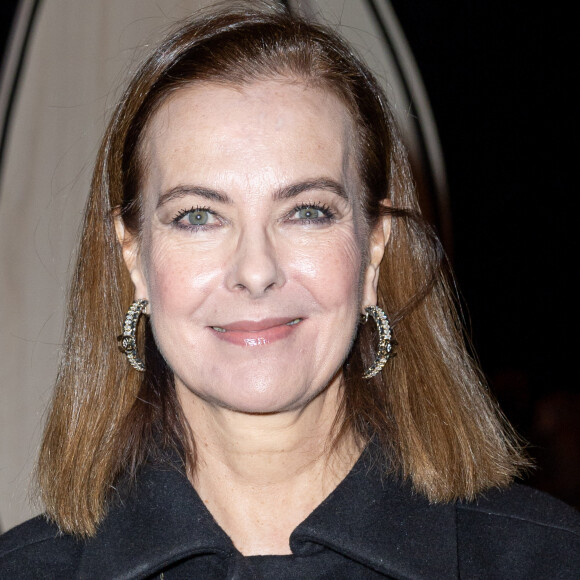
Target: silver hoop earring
<point>385,350</point>
<point>128,340</point>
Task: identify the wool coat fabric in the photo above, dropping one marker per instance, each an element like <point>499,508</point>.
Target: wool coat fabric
<point>371,526</point>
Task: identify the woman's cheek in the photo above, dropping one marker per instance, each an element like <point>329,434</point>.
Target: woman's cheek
<point>335,261</point>
<point>180,276</point>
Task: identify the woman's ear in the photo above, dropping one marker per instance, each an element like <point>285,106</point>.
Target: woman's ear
<point>378,239</point>
<point>131,255</point>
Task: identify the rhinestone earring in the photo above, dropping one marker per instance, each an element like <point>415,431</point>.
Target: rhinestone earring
<point>385,349</point>
<point>128,340</point>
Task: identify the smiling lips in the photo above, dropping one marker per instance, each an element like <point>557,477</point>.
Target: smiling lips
<point>260,333</point>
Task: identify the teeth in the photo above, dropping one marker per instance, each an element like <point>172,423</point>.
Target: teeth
<point>218,329</point>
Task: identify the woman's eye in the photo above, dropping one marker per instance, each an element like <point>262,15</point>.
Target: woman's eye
<point>196,218</point>
<point>309,213</point>
<point>312,213</point>
<point>199,217</point>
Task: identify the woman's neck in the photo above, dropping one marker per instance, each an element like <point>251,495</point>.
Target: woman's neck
<point>262,475</point>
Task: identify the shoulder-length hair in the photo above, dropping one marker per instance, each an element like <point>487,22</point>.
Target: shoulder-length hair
<point>429,408</point>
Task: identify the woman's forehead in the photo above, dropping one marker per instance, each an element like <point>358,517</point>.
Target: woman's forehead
<point>261,131</point>
<point>268,104</point>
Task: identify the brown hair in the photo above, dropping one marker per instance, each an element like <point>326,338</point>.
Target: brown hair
<point>428,409</point>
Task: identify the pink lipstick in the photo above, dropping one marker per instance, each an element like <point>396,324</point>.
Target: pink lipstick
<point>256,333</point>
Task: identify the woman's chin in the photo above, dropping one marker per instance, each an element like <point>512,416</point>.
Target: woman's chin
<point>265,400</point>
<point>255,397</point>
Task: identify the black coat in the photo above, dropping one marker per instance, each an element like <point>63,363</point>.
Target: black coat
<point>369,527</point>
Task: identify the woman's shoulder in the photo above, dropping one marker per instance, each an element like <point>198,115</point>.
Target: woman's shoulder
<point>524,505</point>
<point>37,549</point>
<point>519,528</point>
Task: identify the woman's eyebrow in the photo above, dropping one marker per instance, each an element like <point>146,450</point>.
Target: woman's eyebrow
<point>323,183</point>
<point>181,191</point>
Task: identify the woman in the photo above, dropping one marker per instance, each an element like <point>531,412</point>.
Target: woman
<point>253,201</point>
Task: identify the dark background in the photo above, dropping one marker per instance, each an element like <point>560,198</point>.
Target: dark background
<point>7,8</point>
<point>501,77</point>
<point>502,80</point>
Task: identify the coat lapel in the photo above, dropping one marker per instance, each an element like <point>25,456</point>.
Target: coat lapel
<point>385,525</point>
<point>161,522</point>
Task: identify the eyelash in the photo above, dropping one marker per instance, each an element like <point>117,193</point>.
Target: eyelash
<point>177,219</point>
<point>322,207</point>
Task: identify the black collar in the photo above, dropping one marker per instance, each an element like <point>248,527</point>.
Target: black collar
<point>374,520</point>
<point>384,524</point>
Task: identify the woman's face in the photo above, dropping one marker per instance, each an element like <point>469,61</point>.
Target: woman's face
<point>254,256</point>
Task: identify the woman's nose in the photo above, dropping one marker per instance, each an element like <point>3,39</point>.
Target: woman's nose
<point>254,266</point>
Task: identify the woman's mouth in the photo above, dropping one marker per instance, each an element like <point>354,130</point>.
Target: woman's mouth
<point>256,333</point>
